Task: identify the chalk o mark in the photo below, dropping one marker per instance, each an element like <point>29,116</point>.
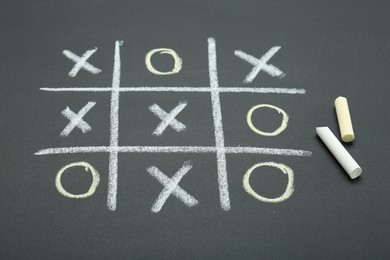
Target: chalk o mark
<point>176,67</point>
<point>92,188</point>
<point>286,170</point>
<point>280,129</point>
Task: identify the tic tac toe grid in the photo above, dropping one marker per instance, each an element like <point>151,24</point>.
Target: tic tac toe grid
<point>220,150</point>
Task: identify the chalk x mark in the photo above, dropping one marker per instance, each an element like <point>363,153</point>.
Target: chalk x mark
<point>81,62</point>
<point>261,64</point>
<point>171,186</point>
<point>168,119</point>
<point>76,120</point>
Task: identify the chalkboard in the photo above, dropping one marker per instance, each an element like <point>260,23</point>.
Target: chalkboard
<point>186,129</point>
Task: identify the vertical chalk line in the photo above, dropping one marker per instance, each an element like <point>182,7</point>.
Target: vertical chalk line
<point>114,130</point>
<point>224,196</point>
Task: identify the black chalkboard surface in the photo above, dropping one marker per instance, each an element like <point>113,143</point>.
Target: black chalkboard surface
<point>186,129</point>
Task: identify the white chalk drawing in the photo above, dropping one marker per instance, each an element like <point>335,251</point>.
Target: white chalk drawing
<point>182,89</point>
<point>174,149</point>
<point>76,120</point>
<point>261,64</point>
<point>88,168</point>
<point>177,61</point>
<point>168,119</point>
<point>218,128</point>
<point>81,62</point>
<point>171,186</point>
<point>280,129</point>
<point>114,129</point>
<point>285,170</point>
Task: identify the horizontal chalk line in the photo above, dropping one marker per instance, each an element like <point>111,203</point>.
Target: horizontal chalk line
<point>180,89</point>
<point>174,149</point>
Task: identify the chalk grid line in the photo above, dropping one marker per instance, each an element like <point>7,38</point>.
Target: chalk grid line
<point>114,130</point>
<point>174,149</point>
<point>219,149</point>
<point>181,89</point>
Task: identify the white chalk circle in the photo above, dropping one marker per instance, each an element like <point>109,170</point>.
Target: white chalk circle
<point>176,67</point>
<point>92,188</point>
<point>286,170</point>
<point>280,129</point>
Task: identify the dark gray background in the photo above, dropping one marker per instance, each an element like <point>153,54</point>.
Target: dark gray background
<point>329,48</point>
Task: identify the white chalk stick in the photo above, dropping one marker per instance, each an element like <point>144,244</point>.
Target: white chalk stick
<point>339,152</point>
<point>344,119</point>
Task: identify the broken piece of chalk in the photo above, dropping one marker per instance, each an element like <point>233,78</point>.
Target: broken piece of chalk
<point>344,119</point>
<point>339,152</point>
